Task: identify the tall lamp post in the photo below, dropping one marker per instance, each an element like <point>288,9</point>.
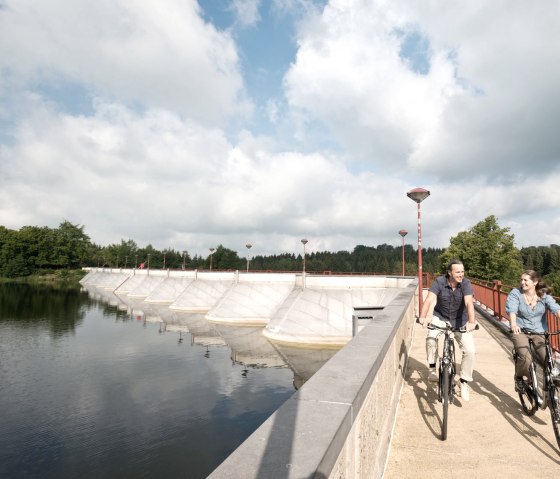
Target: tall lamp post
<point>418,195</point>
<point>403,233</point>
<point>304,242</point>
<point>164,260</point>
<point>184,254</point>
<point>211,253</point>
<point>248,246</point>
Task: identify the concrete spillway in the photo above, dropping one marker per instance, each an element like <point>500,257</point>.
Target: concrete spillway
<point>295,310</point>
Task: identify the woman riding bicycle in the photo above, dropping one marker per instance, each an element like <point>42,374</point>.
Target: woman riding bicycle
<point>526,307</point>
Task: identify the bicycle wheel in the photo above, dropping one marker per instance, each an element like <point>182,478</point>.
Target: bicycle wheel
<point>445,401</point>
<point>554,406</point>
<point>528,397</point>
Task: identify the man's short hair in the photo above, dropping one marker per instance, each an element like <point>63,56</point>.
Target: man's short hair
<point>451,263</point>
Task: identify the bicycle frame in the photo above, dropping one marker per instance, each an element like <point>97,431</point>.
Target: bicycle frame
<point>447,362</point>
<point>542,399</point>
<point>447,371</point>
<point>550,395</point>
<point>446,380</point>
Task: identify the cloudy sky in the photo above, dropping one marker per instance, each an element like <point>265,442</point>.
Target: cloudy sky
<point>188,124</point>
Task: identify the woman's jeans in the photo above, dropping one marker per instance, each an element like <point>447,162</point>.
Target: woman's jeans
<point>521,344</point>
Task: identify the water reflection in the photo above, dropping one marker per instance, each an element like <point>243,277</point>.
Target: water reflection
<point>249,347</point>
<point>106,296</point>
<point>304,362</point>
<point>30,306</point>
<point>202,331</point>
<point>115,397</point>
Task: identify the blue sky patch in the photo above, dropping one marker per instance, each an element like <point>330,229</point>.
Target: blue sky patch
<point>415,51</point>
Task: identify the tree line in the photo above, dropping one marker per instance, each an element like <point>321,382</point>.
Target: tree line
<point>31,249</point>
<point>487,250</point>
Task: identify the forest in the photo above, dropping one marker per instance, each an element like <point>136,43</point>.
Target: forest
<point>487,250</point>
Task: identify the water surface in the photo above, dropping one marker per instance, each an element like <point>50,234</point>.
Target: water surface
<point>88,391</point>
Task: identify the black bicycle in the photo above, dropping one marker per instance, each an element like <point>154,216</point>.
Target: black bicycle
<point>447,370</point>
<point>532,395</point>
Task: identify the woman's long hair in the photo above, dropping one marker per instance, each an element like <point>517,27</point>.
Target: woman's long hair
<point>541,287</point>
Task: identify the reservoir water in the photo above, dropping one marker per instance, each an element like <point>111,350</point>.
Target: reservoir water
<point>89,391</point>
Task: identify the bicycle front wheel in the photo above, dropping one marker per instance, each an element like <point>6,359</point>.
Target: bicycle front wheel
<point>528,397</point>
<point>445,401</point>
<point>554,406</point>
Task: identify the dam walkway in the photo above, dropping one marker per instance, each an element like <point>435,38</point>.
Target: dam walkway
<point>488,436</point>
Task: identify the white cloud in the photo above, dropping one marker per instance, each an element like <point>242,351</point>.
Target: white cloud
<point>142,151</point>
<point>246,11</point>
<point>487,100</point>
<point>159,55</point>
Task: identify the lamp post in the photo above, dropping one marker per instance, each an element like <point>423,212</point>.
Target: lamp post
<point>184,255</point>
<point>248,246</point>
<point>211,253</point>
<point>125,261</point>
<point>304,242</point>
<point>164,260</point>
<point>149,254</point>
<point>418,195</point>
<point>135,261</point>
<point>403,233</point>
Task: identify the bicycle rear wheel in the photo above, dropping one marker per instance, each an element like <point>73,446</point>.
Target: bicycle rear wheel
<point>554,406</point>
<point>445,401</point>
<point>528,397</point>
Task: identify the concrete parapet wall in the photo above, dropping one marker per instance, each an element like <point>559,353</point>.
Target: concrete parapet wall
<point>339,424</point>
<point>363,281</point>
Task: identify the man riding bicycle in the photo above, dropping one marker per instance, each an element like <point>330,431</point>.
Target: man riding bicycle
<point>450,299</point>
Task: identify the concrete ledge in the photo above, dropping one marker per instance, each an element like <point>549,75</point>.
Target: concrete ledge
<point>488,314</point>
<point>339,423</point>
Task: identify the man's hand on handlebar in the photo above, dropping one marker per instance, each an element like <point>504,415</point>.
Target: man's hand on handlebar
<point>471,326</point>
<point>424,321</point>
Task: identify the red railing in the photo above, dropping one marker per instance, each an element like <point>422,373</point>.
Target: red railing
<point>493,295</point>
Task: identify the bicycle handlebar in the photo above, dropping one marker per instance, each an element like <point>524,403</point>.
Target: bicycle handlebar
<point>449,327</point>
<point>536,333</point>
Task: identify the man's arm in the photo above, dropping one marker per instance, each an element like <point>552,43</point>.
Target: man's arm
<point>428,309</point>
<point>469,304</point>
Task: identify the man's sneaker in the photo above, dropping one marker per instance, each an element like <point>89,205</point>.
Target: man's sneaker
<point>432,375</point>
<point>464,391</point>
<point>519,385</point>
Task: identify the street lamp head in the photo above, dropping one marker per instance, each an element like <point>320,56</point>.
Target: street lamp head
<point>248,245</point>
<point>418,194</point>
<point>403,233</point>
<point>212,250</point>
<point>304,241</point>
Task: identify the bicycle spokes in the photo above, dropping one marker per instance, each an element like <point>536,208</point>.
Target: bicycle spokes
<point>554,406</point>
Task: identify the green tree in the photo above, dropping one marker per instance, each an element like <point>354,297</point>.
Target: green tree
<point>224,258</point>
<point>487,251</point>
<point>70,245</point>
<point>14,254</point>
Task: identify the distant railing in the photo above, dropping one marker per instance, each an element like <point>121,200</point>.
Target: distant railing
<point>493,295</point>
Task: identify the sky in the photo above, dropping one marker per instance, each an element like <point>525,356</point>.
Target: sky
<point>188,125</point>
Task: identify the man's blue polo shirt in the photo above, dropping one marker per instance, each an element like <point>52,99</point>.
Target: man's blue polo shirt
<point>451,304</point>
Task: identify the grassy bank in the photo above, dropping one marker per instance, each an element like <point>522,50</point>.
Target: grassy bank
<point>62,277</point>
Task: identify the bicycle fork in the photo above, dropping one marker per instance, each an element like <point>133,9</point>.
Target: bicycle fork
<point>447,367</point>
